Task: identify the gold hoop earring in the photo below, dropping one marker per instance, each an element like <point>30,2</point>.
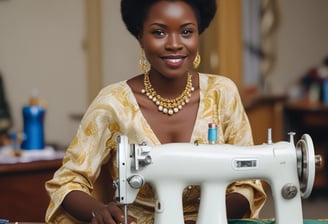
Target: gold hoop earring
<point>144,65</point>
<point>196,61</point>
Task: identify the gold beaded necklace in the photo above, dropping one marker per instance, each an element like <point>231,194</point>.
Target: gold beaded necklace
<point>168,106</point>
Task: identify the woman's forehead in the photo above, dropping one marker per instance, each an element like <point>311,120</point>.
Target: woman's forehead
<point>176,10</point>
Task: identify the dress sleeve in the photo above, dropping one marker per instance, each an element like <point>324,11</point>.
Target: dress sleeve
<point>83,159</point>
<point>235,123</point>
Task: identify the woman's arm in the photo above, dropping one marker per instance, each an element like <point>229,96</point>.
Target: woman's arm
<point>237,206</point>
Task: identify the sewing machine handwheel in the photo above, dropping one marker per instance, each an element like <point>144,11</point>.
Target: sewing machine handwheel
<point>305,164</point>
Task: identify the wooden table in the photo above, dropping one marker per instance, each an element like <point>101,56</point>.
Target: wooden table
<point>265,112</point>
<point>22,192</point>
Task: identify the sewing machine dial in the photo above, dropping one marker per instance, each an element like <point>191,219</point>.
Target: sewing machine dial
<point>306,163</point>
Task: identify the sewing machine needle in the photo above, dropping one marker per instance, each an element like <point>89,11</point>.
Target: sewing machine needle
<point>125,214</point>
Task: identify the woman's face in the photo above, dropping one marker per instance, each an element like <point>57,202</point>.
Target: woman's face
<point>170,37</point>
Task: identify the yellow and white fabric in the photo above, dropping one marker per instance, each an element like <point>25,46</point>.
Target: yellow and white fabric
<point>114,112</point>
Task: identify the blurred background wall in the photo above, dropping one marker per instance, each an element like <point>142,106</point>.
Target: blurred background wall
<point>300,42</point>
<point>41,47</point>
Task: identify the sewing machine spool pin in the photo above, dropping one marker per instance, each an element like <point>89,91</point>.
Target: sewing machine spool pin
<point>269,136</point>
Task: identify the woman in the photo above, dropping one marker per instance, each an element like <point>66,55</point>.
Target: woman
<point>168,33</point>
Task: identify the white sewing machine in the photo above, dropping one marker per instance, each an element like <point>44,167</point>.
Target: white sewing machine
<point>289,169</point>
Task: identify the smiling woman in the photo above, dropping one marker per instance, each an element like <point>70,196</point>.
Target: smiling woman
<point>170,101</point>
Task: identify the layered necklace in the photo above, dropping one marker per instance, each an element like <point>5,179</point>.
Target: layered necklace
<point>168,106</point>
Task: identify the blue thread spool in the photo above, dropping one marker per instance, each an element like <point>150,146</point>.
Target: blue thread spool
<point>325,92</point>
<point>212,135</point>
<point>33,116</point>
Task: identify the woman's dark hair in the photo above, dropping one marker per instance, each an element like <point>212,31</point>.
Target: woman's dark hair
<point>134,13</point>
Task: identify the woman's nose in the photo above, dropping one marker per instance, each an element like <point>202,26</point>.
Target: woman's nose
<point>173,42</point>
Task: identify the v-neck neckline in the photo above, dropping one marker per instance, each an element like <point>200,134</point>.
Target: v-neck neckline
<point>154,136</point>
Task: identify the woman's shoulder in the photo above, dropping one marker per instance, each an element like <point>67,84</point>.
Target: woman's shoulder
<point>114,89</point>
<point>113,86</point>
<point>217,81</point>
<point>113,94</point>
<point>113,97</point>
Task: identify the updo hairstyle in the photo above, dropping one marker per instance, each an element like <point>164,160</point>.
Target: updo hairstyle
<point>134,13</point>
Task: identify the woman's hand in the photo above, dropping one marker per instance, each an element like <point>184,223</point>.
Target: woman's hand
<point>86,208</point>
<point>109,214</point>
<point>237,206</point>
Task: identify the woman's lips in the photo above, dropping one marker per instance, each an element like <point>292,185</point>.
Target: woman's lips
<point>174,62</point>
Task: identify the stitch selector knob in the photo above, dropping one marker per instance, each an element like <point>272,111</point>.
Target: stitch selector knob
<point>136,181</point>
<point>289,191</point>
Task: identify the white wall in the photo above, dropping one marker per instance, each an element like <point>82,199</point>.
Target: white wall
<point>301,41</point>
<point>41,47</point>
<point>121,50</point>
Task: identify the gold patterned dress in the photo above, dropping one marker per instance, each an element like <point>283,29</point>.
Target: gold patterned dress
<point>114,112</point>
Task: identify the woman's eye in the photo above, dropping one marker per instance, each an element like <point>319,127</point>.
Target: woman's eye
<point>187,32</point>
<point>158,33</point>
